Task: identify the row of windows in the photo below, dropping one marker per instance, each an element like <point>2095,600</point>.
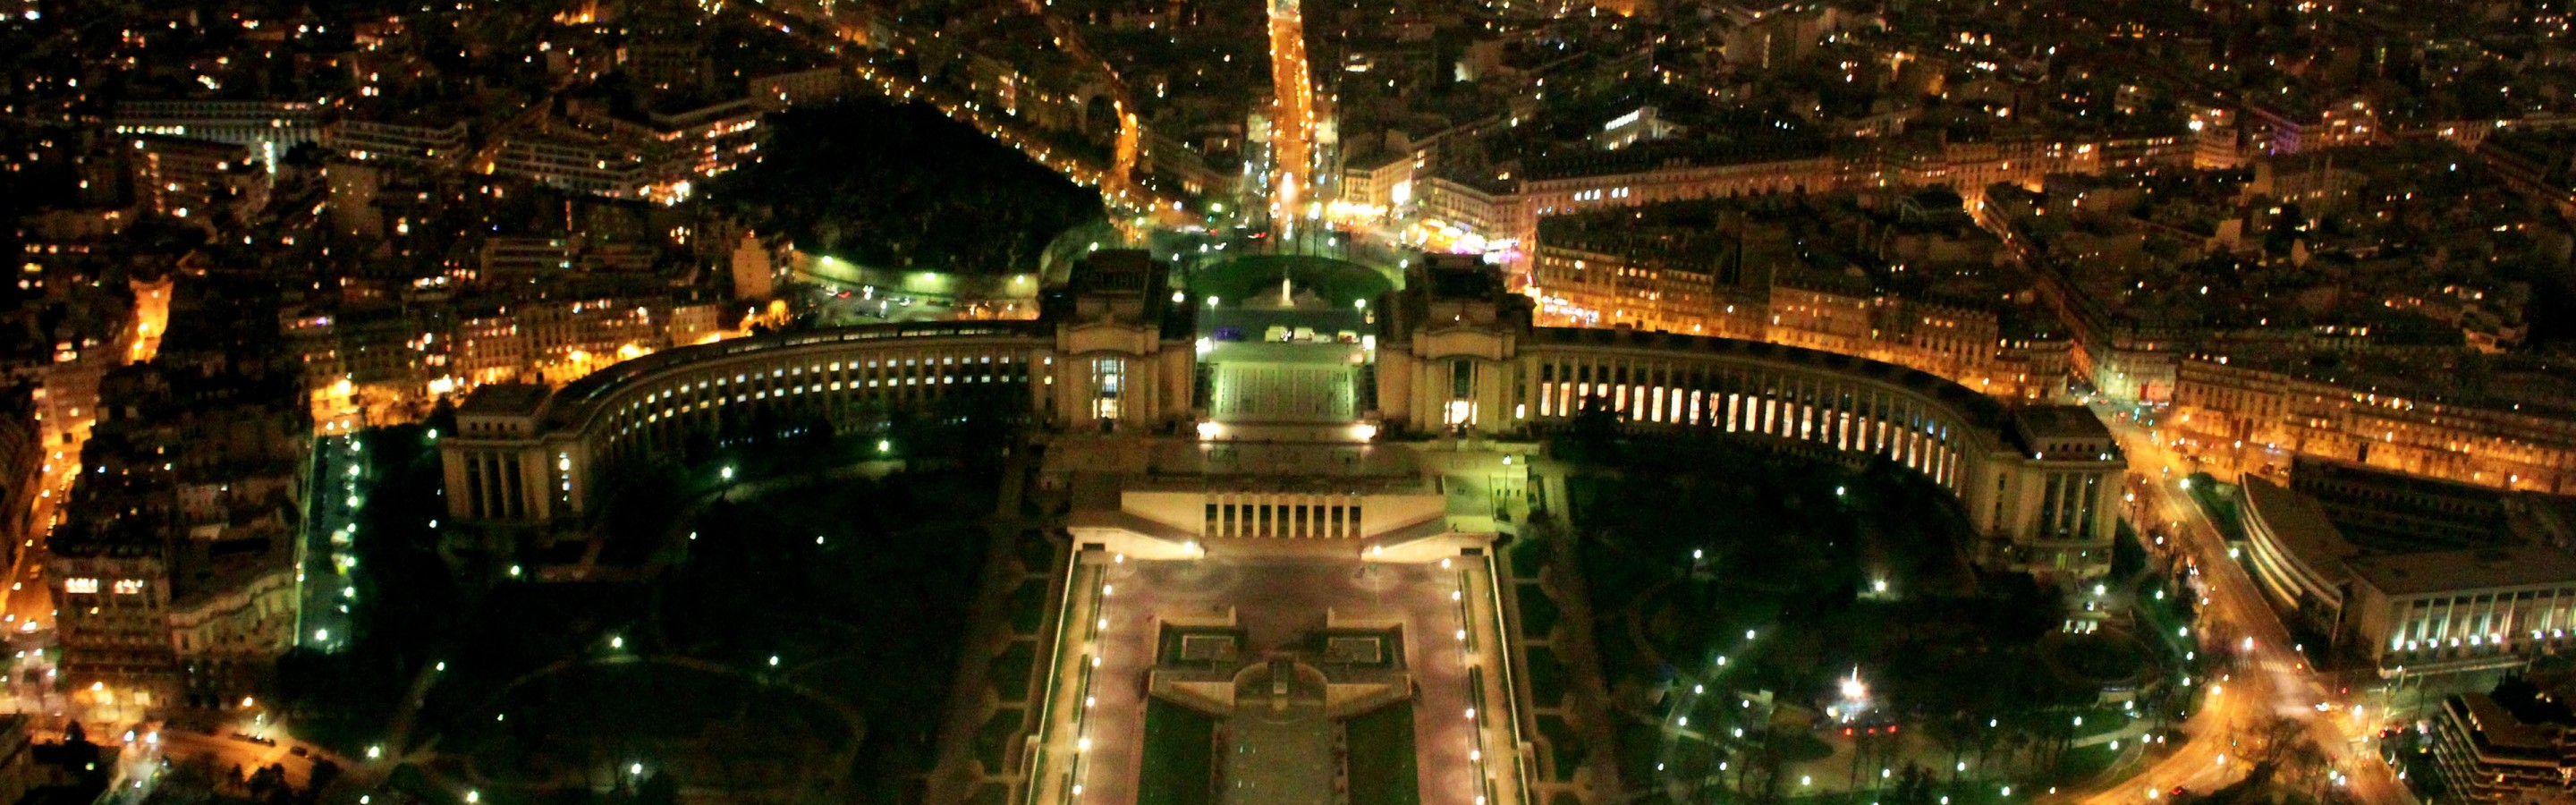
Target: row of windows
<point>1599,194</point>
<point>89,586</point>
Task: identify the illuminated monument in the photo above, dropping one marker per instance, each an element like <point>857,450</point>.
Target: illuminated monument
<point>1283,478</point>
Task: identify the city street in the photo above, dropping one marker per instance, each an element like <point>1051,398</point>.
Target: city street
<point>27,613</point>
<point>1292,112</point>
<point>30,605</point>
<point>228,751</point>
<point>2273,678</point>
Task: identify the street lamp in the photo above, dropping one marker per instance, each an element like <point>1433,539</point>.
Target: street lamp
<point>726,474</point>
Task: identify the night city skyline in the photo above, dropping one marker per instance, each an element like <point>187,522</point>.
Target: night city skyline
<point>1289,402</point>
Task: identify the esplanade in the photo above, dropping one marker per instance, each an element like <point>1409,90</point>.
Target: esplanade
<point>1301,357</point>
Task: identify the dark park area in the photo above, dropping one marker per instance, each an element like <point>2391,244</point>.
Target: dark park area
<point>812,631</point>
<point>897,185</point>
<point>1739,592</point>
<point>792,630</point>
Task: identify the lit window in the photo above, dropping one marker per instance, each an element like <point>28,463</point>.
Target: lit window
<point>124,586</point>
<point>81,585</point>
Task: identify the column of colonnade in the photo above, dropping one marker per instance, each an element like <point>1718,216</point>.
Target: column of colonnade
<point>2439,627</point>
<point>1847,414</point>
<point>494,483</point>
<point>2070,502</point>
<point>1282,516</point>
<point>666,410</point>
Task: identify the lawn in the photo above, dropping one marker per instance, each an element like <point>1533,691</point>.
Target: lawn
<point>856,587</point>
<point>1528,556</point>
<point>1012,669</point>
<point>1381,757</point>
<point>1538,612</point>
<point>2082,763</point>
<point>2218,500</point>
<point>1563,744</point>
<point>1640,744</point>
<point>1180,756</point>
<point>1029,606</point>
<point>1547,677</point>
<point>1036,552</point>
<point>681,718</point>
<point>993,742</point>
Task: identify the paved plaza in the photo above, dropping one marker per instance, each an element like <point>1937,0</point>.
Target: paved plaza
<point>1277,602</point>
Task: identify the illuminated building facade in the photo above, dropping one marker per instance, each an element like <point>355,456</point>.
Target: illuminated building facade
<point>269,127</point>
<point>2251,416</point>
<point>660,160</point>
<point>401,143</point>
<point>184,178</point>
<point>1451,354</point>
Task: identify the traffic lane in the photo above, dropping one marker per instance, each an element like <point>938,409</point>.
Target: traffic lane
<point>852,308</point>
<point>2292,685</point>
<point>2196,765</point>
<point>2233,705</point>
<point>181,744</point>
<point>30,601</point>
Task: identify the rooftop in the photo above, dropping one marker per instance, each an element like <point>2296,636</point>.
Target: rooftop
<point>2501,728</point>
<point>504,399</point>
<point>2481,568</point>
<point>2062,422</point>
<point>2300,524</point>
